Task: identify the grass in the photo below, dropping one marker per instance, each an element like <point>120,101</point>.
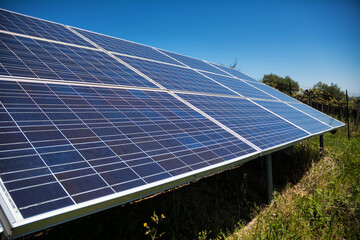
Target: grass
<point>324,204</point>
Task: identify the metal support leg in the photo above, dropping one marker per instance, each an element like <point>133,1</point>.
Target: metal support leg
<point>321,144</point>
<point>269,178</point>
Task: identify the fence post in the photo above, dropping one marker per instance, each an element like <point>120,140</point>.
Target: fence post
<point>357,117</point>
<point>340,111</point>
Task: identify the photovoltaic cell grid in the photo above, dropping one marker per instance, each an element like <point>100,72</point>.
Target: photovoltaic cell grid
<point>176,78</point>
<point>319,115</point>
<point>291,114</point>
<point>17,23</point>
<point>73,144</point>
<point>125,47</point>
<point>25,57</point>
<point>252,122</point>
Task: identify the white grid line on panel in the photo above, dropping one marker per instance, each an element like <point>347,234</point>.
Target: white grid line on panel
<point>48,40</point>
<point>309,114</point>
<point>116,58</point>
<point>101,137</point>
<point>62,82</point>
<point>280,117</point>
<point>40,156</point>
<point>239,93</point>
<point>244,81</point>
<point>215,121</point>
<point>202,70</point>
<point>63,136</point>
<point>278,100</point>
<point>199,72</point>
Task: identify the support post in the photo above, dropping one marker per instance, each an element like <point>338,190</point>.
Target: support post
<point>347,115</point>
<point>321,144</point>
<point>269,177</point>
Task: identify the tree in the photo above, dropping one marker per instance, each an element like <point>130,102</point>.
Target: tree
<point>332,91</point>
<point>280,83</point>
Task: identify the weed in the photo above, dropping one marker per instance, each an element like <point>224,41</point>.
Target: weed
<point>152,230</point>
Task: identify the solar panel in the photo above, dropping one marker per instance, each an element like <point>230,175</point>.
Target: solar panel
<point>89,121</point>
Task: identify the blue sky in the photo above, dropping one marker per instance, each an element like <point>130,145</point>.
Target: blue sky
<point>310,41</point>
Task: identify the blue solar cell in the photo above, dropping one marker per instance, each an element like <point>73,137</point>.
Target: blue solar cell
<point>252,122</point>
<point>60,62</point>
<point>25,198</point>
<point>176,78</point>
<point>293,115</point>
<point>109,143</point>
<point>46,207</point>
<point>319,115</point>
<point>126,47</point>
<point>194,63</point>
<point>235,73</point>
<point>241,87</point>
<point>18,23</point>
<point>21,168</point>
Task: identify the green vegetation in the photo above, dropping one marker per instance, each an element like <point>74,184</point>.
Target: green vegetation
<point>324,204</point>
<point>285,85</point>
<point>329,91</point>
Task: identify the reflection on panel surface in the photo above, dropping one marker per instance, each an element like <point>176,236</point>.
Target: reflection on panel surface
<point>291,114</point>
<point>176,78</point>
<point>252,122</point>
<point>319,115</point>
<point>240,87</point>
<point>25,57</point>
<point>126,47</point>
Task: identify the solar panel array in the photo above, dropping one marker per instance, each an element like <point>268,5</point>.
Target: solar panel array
<point>90,121</point>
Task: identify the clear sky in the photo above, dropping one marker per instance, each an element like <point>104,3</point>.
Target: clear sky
<point>310,41</point>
